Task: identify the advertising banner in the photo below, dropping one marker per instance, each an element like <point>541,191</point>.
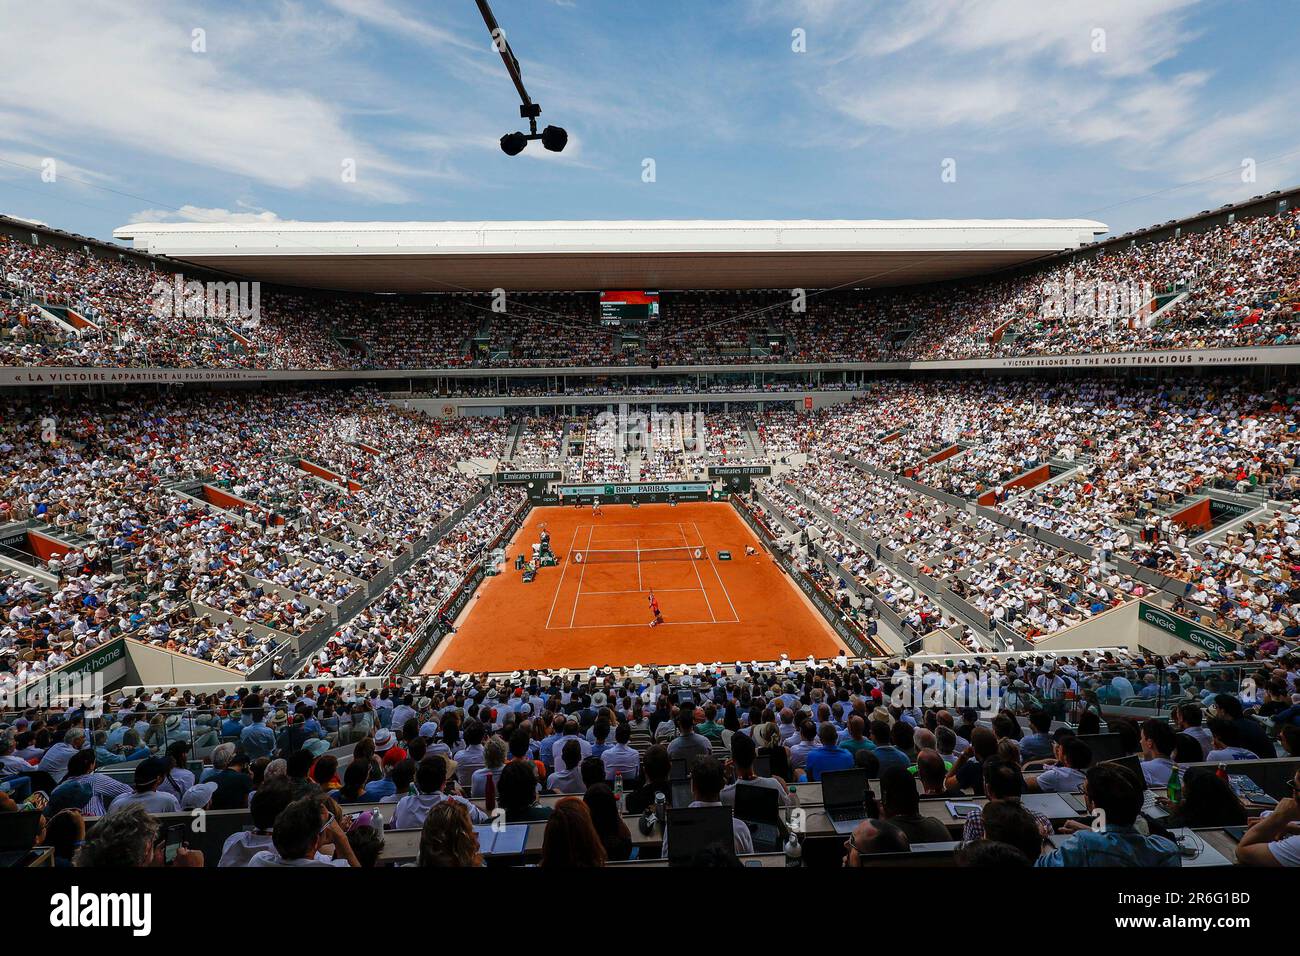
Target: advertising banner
<point>1186,631</point>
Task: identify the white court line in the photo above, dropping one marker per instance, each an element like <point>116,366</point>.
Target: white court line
<point>579,627</point>
<point>708,558</point>
<point>697,570</point>
<point>617,544</point>
<point>563,572</point>
<point>581,575</point>
<point>640,586</point>
<point>639,524</point>
<point>658,591</point>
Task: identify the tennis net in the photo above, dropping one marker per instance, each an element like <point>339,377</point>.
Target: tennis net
<point>613,555</point>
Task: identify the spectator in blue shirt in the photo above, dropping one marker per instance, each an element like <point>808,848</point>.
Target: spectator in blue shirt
<point>886,752</point>
<point>829,756</point>
<point>395,783</point>
<point>600,733</point>
<point>547,745</point>
<point>1037,745</point>
<point>257,739</point>
<point>1117,793</point>
<point>106,756</point>
<point>903,736</point>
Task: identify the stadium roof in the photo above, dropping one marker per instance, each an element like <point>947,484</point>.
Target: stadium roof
<point>542,256</point>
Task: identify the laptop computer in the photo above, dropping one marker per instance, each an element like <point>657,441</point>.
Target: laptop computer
<point>755,804</point>
<point>844,798</point>
<point>763,766</point>
<point>1274,776</point>
<point>1076,801</point>
<point>501,841</point>
<point>1150,807</point>
<point>1236,832</point>
<point>759,808</point>
<point>1104,746</point>
<point>1132,763</point>
<point>692,829</point>
<point>678,770</point>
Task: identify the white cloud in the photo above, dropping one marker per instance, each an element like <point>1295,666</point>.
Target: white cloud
<point>190,213</point>
<point>928,104</point>
<point>477,54</point>
<point>126,76</point>
<point>1137,36</point>
<point>1026,75</point>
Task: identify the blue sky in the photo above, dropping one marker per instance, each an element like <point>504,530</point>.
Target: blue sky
<point>1043,116</point>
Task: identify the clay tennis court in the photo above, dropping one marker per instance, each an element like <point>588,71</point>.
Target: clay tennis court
<point>592,607</point>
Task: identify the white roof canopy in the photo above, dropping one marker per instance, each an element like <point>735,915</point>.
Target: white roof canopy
<point>538,256</point>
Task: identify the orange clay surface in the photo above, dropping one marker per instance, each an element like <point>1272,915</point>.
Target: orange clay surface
<point>577,614</point>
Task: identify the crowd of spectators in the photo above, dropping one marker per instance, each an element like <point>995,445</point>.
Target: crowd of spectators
<point>155,560</point>
<point>130,322</point>
<point>149,557</point>
<point>539,443</point>
<point>1233,285</point>
<point>371,643</point>
<point>330,771</point>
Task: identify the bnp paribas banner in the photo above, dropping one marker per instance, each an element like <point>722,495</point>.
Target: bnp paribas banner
<point>641,491</point>
<point>1185,630</point>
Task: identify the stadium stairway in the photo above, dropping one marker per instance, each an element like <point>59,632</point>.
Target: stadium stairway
<point>480,467</point>
<point>1167,309</point>
<point>932,588</point>
<point>22,565</point>
<point>65,318</point>
<point>749,429</point>
<point>351,344</point>
<point>513,435</point>
<point>193,491</point>
<point>337,616</point>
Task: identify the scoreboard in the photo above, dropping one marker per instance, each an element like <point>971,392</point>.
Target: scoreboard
<point>626,308</point>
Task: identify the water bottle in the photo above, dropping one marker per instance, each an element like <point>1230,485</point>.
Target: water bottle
<point>661,808</point>
<point>618,789</point>
<point>793,804</point>
<point>793,850</point>
<point>1175,788</point>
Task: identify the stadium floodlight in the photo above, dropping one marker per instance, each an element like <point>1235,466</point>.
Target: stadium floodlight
<point>554,138</point>
<point>512,144</point>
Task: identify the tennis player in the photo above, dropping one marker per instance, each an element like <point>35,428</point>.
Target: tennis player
<point>654,609</point>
